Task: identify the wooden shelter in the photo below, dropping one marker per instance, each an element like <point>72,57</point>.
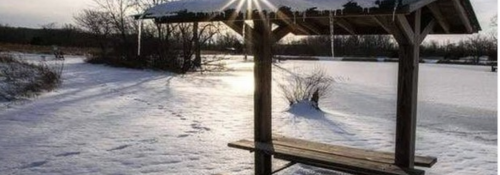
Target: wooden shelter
<point>409,21</point>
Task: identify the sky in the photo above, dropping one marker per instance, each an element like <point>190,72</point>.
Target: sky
<point>35,13</point>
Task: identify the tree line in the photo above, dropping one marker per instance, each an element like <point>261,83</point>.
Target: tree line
<point>474,46</point>
<point>111,28</point>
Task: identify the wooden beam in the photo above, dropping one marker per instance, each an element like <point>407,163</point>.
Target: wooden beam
<point>297,29</point>
<point>280,32</point>
<point>390,27</point>
<point>439,16</point>
<point>382,23</point>
<point>293,27</point>
<point>405,27</point>
<point>309,26</point>
<point>262,96</point>
<point>427,30</point>
<point>416,5</point>
<point>346,26</point>
<point>237,26</point>
<point>407,97</point>
<point>463,15</point>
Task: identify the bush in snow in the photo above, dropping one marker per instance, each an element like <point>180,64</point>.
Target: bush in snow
<point>307,86</point>
<point>19,78</point>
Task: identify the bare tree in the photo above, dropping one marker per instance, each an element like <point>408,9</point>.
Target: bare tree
<point>186,38</point>
<point>168,46</point>
<point>98,23</point>
<point>119,13</point>
<point>478,46</point>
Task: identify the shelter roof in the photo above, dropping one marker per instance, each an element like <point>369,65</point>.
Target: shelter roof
<point>207,6</point>
<point>354,14</point>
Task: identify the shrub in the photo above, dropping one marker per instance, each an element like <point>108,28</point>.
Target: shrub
<point>20,78</point>
<point>310,86</point>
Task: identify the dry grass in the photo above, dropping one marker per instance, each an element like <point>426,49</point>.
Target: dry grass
<point>304,85</point>
<point>19,78</point>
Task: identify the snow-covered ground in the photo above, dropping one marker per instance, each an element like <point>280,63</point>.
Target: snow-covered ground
<point>105,120</point>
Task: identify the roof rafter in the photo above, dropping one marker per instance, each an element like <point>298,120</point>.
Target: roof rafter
<point>463,15</point>
<point>439,17</point>
<point>346,26</point>
<point>416,5</point>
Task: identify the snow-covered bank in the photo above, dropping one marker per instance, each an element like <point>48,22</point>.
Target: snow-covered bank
<point>106,120</point>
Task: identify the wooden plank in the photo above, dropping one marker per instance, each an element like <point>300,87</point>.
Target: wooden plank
<point>369,155</point>
<point>355,153</point>
<point>406,113</point>
<point>433,7</point>
<point>334,162</point>
<point>463,15</point>
<point>262,94</point>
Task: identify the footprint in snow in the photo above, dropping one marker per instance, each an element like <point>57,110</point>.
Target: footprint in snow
<point>119,148</point>
<point>198,127</point>
<point>35,164</point>
<point>154,140</point>
<point>143,101</point>
<point>68,154</point>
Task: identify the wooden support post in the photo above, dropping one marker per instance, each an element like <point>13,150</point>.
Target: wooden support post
<point>409,38</point>
<point>262,96</point>
<point>407,91</point>
<point>197,47</point>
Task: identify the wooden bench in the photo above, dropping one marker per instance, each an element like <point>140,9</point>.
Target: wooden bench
<point>346,159</point>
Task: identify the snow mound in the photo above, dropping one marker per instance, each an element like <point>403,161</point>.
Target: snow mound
<point>305,108</point>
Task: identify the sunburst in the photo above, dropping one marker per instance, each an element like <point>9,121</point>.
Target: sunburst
<point>250,4</point>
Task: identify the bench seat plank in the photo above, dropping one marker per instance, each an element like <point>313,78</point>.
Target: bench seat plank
<point>330,161</point>
<point>377,156</point>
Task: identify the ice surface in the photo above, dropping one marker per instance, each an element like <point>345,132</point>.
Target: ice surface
<point>106,120</point>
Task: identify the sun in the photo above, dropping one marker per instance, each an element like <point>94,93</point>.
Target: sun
<point>260,5</point>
